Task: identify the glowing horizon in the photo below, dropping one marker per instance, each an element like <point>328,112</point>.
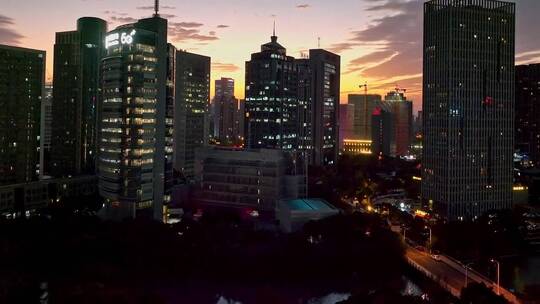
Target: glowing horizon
<point>379,41</point>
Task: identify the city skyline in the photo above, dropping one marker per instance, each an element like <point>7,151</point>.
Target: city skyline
<point>379,41</point>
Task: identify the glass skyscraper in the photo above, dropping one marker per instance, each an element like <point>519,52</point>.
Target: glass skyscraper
<point>191,119</point>
<point>468,106</point>
<point>77,55</point>
<point>132,119</point>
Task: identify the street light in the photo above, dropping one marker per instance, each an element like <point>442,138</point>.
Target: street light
<point>404,233</point>
<point>466,274</point>
<point>498,276</point>
<point>427,227</point>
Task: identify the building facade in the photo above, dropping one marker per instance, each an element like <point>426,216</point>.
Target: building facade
<point>468,106</point>
<point>77,55</point>
<point>402,117</point>
<point>363,107</point>
<point>528,111</point>
<point>346,123</point>
<point>191,119</point>
<point>325,82</point>
<point>46,132</point>
<point>357,146</point>
<point>271,104</point>
<point>22,81</point>
<point>132,119</point>
<point>245,179</point>
<point>383,132</point>
<point>225,112</point>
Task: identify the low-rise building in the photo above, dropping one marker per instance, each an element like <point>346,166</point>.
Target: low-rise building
<point>246,179</point>
<point>294,214</point>
<point>357,146</point>
<point>24,199</point>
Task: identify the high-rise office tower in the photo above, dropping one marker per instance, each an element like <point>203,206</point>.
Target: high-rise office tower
<point>468,104</point>
<point>22,81</point>
<point>77,55</point>
<point>528,111</point>
<point>46,132</point>
<point>325,83</point>
<point>271,100</point>
<point>363,108</point>
<point>346,123</point>
<point>191,121</point>
<point>169,124</point>
<point>132,119</point>
<point>225,111</point>
<point>401,110</point>
<point>304,96</point>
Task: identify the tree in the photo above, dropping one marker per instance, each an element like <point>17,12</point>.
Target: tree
<point>476,293</point>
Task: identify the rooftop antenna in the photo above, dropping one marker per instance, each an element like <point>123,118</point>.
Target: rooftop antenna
<point>319,42</point>
<point>274,37</point>
<point>156,8</point>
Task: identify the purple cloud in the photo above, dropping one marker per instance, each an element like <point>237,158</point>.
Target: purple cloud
<point>7,34</point>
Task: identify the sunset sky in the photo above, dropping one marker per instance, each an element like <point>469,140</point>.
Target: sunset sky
<point>379,40</point>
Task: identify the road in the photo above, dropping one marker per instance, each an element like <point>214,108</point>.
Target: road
<point>452,274</point>
<point>439,269</point>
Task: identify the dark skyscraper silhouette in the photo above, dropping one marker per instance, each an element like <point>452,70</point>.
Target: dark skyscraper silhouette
<point>22,81</point>
<point>271,104</point>
<point>191,119</point>
<point>75,98</point>
<point>468,106</point>
<point>318,105</point>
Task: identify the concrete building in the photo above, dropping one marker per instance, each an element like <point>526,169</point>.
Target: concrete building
<point>357,146</point>
<point>271,104</point>
<point>191,119</point>
<point>246,179</point>
<point>527,129</point>
<point>26,199</point>
<point>294,214</point>
<point>346,123</point>
<point>22,81</point>
<point>468,104</point>
<point>77,56</point>
<point>132,119</point>
<point>363,107</point>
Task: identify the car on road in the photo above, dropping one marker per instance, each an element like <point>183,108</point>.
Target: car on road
<point>420,248</point>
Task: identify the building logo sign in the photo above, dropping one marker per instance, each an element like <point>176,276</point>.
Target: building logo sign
<point>119,38</point>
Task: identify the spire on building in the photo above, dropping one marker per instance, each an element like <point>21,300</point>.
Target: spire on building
<point>156,8</point>
<point>274,37</point>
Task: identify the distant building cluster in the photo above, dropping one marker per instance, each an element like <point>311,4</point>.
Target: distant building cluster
<point>128,122</point>
<point>128,108</point>
<point>387,124</point>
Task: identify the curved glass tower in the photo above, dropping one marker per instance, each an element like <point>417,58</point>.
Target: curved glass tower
<point>75,94</point>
